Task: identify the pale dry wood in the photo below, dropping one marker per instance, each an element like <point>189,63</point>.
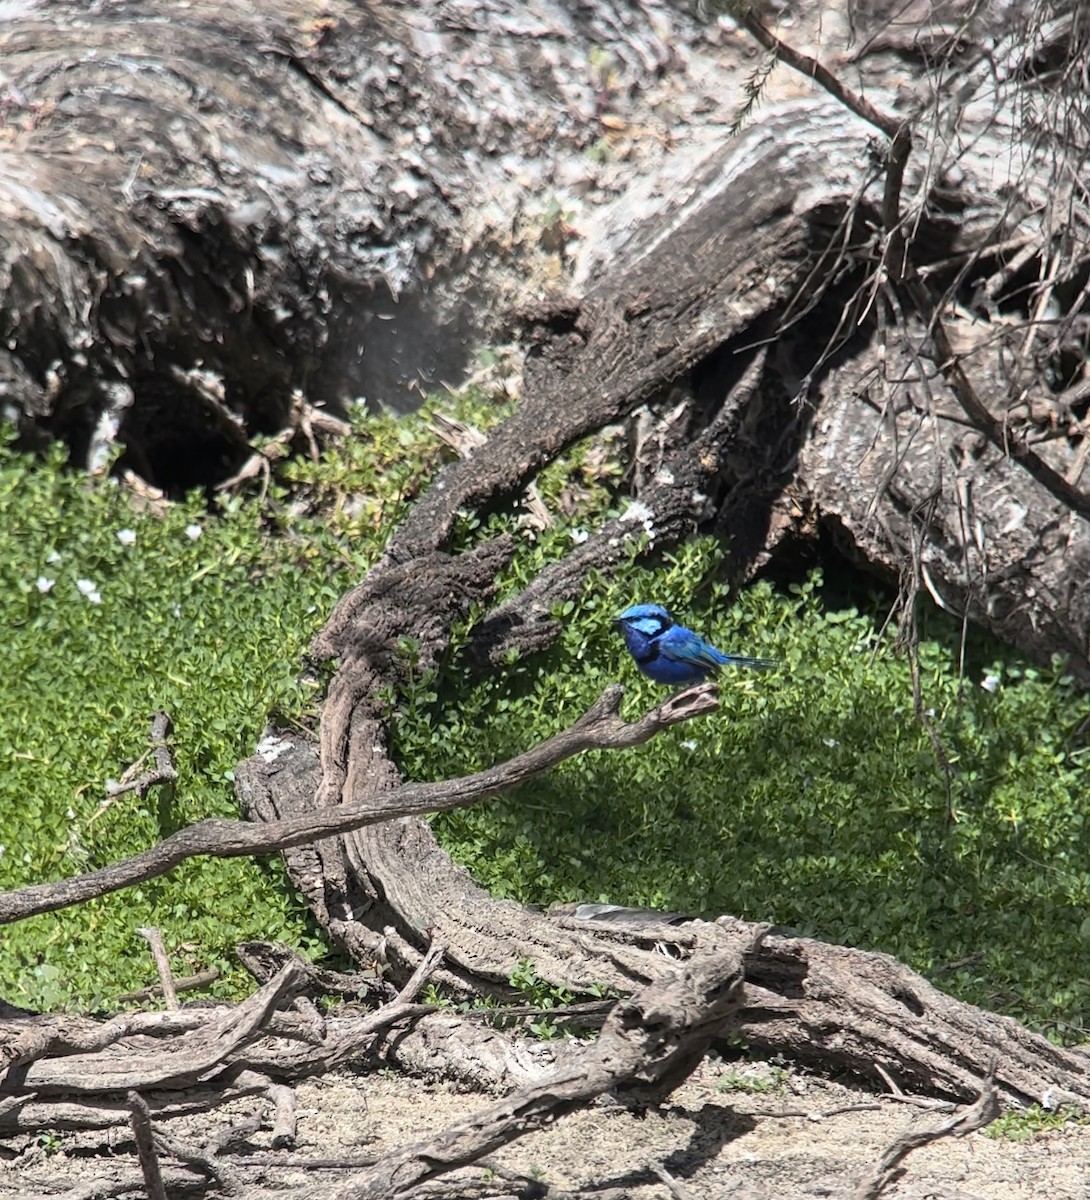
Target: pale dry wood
<point>185,983</point>
<point>177,1182</point>
<point>140,1122</point>
<point>154,938</point>
<point>728,262</point>
<point>177,1063</point>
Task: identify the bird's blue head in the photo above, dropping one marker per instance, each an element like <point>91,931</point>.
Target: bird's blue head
<point>648,619</point>
<point>641,624</point>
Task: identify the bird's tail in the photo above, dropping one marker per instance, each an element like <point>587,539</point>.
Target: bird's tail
<point>758,664</point>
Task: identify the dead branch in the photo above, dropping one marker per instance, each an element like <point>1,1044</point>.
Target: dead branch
<point>176,1182</point>
<point>813,69</point>
<point>29,1038</point>
<point>284,1120</point>
<point>676,500</point>
<point>600,728</point>
<point>154,938</point>
<point>996,431</point>
<point>965,1121</point>
<point>903,271</point>
<point>189,1058</point>
<point>162,772</point>
<point>652,1041</point>
<point>140,1120</point>
<point>184,984</point>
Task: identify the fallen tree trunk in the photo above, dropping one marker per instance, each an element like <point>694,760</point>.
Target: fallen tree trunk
<point>648,1046</point>
<point>820,1004</point>
<point>211,207</point>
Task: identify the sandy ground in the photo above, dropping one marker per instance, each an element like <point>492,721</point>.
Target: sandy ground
<point>716,1136</point>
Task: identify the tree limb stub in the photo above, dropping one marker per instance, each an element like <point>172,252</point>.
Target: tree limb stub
<point>599,728</point>
<point>675,502</point>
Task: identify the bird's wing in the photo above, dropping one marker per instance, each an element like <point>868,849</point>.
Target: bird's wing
<point>684,646</point>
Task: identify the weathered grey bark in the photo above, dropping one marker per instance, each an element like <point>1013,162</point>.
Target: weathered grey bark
<point>649,1045</point>
<point>207,206</point>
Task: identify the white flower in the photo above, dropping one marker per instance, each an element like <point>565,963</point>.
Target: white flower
<point>638,511</point>
<point>126,536</point>
<point>193,532</point>
<point>990,683</point>
<point>579,536</point>
<point>52,558</point>
<point>688,745</point>
<point>88,589</point>
<point>44,585</point>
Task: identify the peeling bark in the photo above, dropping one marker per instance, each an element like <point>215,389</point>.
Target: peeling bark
<point>209,207</point>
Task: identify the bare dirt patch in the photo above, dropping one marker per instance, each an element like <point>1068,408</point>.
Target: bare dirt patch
<point>793,1140</point>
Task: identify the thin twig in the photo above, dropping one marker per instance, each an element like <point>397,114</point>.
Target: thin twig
<point>817,1115</point>
<point>201,979</point>
<point>299,1162</point>
<point>154,938</point>
<point>676,1188</point>
<point>983,1112</point>
<point>818,72</point>
<point>1014,446</point>
<point>425,969</point>
<point>163,772</point>
<point>888,1080</point>
<point>902,270</point>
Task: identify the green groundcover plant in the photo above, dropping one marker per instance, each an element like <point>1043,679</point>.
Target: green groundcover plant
<point>814,798</point>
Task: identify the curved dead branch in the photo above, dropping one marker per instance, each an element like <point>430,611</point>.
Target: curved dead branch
<point>599,728</point>
<point>794,237</point>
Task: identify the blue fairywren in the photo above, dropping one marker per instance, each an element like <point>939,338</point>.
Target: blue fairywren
<point>669,653</point>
